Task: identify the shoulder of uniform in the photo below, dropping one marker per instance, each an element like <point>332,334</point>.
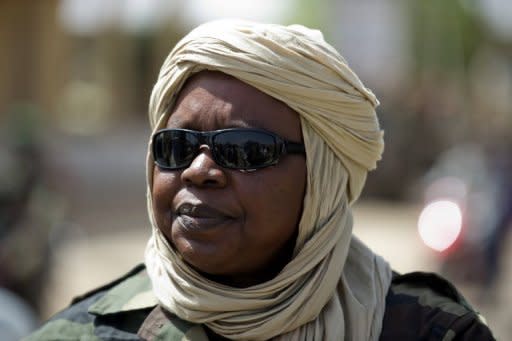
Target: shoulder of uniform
<point>130,295</point>
<point>138,269</point>
<point>422,305</point>
<point>431,290</point>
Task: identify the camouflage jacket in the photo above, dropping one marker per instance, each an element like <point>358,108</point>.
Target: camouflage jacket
<point>419,306</point>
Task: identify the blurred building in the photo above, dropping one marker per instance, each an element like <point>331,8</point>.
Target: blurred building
<point>33,53</point>
<point>77,67</point>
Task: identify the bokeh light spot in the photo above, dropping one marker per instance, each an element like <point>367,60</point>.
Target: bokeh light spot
<point>440,224</point>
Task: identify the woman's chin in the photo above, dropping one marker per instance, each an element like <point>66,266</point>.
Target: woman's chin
<point>205,257</point>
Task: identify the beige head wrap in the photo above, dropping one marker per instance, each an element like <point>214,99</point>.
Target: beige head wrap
<point>334,288</point>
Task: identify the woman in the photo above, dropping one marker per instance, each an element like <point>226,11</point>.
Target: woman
<point>262,138</point>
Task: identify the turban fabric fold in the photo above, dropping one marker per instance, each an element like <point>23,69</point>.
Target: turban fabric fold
<point>334,288</point>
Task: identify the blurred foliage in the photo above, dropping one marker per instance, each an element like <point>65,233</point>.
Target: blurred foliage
<point>439,107</point>
<point>444,35</point>
<point>308,13</point>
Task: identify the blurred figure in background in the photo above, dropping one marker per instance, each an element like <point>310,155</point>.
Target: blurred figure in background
<point>469,230</point>
<point>500,160</point>
<point>29,216</point>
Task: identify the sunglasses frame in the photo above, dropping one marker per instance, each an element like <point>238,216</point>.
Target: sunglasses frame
<point>207,137</point>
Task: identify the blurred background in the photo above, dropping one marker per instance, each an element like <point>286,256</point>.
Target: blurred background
<point>75,79</point>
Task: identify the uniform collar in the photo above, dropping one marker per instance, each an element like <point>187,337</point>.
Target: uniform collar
<point>133,293</point>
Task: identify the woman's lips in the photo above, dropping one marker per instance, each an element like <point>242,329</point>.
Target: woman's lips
<point>195,217</point>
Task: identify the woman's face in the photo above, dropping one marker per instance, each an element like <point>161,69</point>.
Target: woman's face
<point>236,228</point>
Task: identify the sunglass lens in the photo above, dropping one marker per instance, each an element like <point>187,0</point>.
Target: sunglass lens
<point>174,149</point>
<point>245,149</point>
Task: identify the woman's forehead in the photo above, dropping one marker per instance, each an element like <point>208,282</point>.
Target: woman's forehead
<point>213,100</point>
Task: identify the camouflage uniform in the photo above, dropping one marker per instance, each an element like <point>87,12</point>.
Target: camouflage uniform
<point>419,306</point>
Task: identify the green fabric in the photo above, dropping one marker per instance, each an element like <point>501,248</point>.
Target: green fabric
<point>432,299</point>
<point>179,330</point>
<point>418,306</point>
<point>132,294</point>
<point>450,335</point>
<point>64,330</point>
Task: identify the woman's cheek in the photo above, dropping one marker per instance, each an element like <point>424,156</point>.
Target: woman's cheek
<point>165,187</point>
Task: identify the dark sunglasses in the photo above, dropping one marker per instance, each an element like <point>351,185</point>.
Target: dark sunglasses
<point>236,148</point>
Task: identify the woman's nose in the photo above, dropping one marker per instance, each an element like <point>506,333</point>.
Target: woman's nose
<point>204,172</point>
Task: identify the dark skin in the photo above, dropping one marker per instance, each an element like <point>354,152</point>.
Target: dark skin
<point>240,228</point>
